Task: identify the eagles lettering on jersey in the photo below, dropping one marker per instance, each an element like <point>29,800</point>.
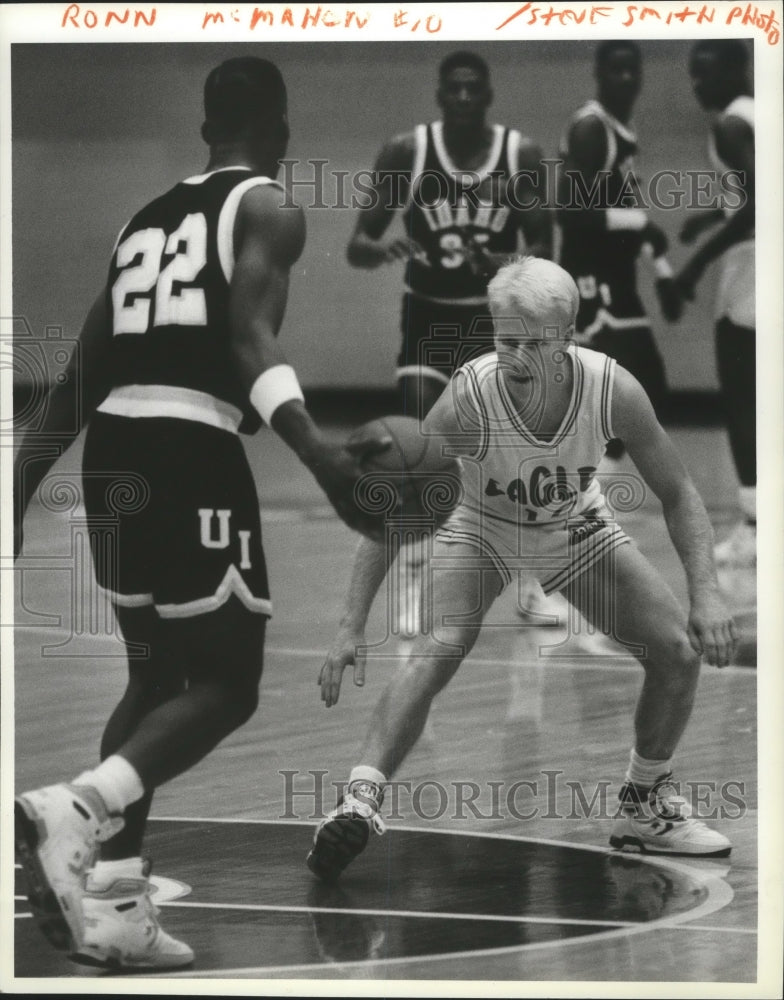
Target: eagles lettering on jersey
<point>514,477</point>
<point>169,295</point>
<point>448,207</point>
<point>602,262</point>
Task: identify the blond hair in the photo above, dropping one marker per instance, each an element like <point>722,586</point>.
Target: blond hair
<point>537,291</point>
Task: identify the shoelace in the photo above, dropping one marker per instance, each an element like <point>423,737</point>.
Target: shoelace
<point>351,804</point>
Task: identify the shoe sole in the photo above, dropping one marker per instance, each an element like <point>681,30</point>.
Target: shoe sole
<point>49,911</point>
<point>346,838</point>
<point>632,845</point>
<point>96,961</point>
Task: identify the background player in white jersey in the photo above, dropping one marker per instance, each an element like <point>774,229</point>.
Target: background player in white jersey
<point>605,228</point>
<point>531,423</point>
<point>718,70</point>
<point>179,350</point>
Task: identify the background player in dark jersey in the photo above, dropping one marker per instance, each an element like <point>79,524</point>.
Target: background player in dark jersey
<point>462,217</point>
<point>718,70</point>
<point>176,353</point>
<point>603,234</point>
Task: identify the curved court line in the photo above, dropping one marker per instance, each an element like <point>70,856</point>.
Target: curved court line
<point>719,895</point>
<point>417,914</point>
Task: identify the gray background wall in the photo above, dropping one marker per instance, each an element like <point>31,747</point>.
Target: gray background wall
<point>99,129</point>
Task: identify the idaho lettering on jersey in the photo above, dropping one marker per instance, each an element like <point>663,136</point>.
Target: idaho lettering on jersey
<point>169,282</point>
<point>448,209</point>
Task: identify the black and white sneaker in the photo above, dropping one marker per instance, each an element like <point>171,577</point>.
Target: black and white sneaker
<point>344,834</point>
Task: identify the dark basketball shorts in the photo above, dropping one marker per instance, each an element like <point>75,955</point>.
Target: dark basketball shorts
<point>173,516</point>
<point>440,336</point>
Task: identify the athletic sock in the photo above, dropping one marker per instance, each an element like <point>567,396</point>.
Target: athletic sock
<point>644,773</point>
<point>116,781</point>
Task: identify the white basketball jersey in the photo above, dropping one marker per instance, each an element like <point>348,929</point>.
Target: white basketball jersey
<point>516,478</point>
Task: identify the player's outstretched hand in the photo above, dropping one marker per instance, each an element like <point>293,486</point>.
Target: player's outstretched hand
<point>670,300</point>
<point>347,650</point>
<point>711,629</point>
<point>338,470</point>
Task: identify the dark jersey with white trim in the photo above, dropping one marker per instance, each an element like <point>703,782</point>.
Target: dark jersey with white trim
<point>447,207</point>
<point>602,261</point>
<point>168,290</point>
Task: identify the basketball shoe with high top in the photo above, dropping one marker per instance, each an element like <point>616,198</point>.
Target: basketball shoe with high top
<point>121,926</point>
<point>344,834</point>
<point>57,832</point>
<point>659,821</point>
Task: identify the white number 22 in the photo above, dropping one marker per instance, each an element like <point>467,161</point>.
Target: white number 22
<point>132,292</point>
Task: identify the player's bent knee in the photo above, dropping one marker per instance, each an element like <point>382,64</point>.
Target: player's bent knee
<point>676,664</point>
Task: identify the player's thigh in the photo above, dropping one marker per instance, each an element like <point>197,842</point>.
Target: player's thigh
<point>463,584</point>
<point>211,588</point>
<point>625,592</point>
<point>223,646</point>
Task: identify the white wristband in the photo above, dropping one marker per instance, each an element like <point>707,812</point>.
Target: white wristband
<point>626,218</point>
<point>273,387</point>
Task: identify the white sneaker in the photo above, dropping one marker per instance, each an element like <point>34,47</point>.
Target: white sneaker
<point>664,825</point>
<point>739,549</point>
<point>121,927</point>
<point>58,829</point>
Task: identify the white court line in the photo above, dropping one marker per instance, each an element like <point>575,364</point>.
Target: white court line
<point>623,663</point>
<point>269,907</point>
<point>423,914</point>
<point>719,895</point>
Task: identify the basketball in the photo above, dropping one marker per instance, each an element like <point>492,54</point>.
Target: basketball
<point>412,482</point>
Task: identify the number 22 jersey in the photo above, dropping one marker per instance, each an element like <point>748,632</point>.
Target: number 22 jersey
<point>169,281</point>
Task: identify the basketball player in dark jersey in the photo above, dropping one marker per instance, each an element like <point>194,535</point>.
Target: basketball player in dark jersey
<point>604,232</point>
<point>718,70</point>
<point>178,353</point>
<point>466,189</point>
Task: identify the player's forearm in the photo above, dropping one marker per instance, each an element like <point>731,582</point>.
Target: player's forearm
<point>370,568</point>
<point>692,535</point>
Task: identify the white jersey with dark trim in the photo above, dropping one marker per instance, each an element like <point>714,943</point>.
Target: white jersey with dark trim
<point>515,478</point>
<point>168,291</point>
